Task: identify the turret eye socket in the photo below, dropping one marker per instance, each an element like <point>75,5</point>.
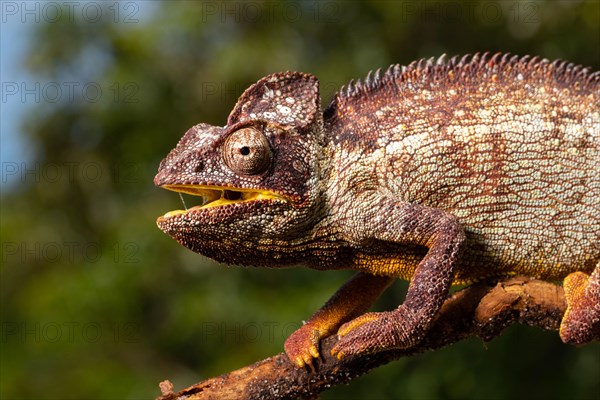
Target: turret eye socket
<point>247,152</point>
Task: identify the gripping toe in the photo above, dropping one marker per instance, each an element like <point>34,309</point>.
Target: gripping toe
<point>581,322</point>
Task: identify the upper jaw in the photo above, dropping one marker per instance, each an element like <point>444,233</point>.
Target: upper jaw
<point>219,196</point>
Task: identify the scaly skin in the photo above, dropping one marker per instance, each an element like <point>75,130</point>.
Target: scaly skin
<point>440,172</point>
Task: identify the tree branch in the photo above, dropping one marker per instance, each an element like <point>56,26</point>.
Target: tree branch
<point>481,310</point>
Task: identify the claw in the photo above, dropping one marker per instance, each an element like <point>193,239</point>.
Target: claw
<point>339,355</point>
<point>314,352</point>
<point>307,359</point>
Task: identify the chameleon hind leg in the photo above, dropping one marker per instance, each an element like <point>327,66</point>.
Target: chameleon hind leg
<point>581,322</point>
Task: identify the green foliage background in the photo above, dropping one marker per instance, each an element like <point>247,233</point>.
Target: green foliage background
<point>98,303</point>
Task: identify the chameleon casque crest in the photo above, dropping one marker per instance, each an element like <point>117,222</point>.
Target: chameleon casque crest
<point>441,172</point>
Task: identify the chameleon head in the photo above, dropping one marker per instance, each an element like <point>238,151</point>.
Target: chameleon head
<point>256,179</point>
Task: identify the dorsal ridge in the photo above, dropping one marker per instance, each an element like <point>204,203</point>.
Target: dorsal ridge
<point>467,68</point>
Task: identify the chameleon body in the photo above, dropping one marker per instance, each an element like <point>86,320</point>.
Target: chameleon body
<point>441,172</point>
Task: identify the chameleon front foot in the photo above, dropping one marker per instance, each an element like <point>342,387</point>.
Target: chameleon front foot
<point>303,345</point>
<point>352,299</point>
<point>373,332</point>
<point>581,322</point>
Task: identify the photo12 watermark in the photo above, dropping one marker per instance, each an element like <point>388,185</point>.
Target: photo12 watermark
<point>69,332</point>
<point>35,172</point>
<point>69,252</point>
<point>249,332</point>
<point>270,11</point>
<point>69,92</point>
<point>126,12</point>
<point>489,12</point>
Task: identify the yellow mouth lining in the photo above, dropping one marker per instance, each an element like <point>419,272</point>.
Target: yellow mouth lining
<point>216,196</point>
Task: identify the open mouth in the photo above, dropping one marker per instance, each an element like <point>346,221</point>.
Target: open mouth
<point>218,196</point>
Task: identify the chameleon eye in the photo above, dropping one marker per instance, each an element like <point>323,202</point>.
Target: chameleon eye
<point>247,152</point>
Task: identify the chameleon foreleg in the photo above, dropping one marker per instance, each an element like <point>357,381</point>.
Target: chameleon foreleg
<point>407,325</point>
<point>352,299</point>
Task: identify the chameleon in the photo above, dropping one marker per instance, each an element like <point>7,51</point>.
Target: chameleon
<point>444,171</point>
